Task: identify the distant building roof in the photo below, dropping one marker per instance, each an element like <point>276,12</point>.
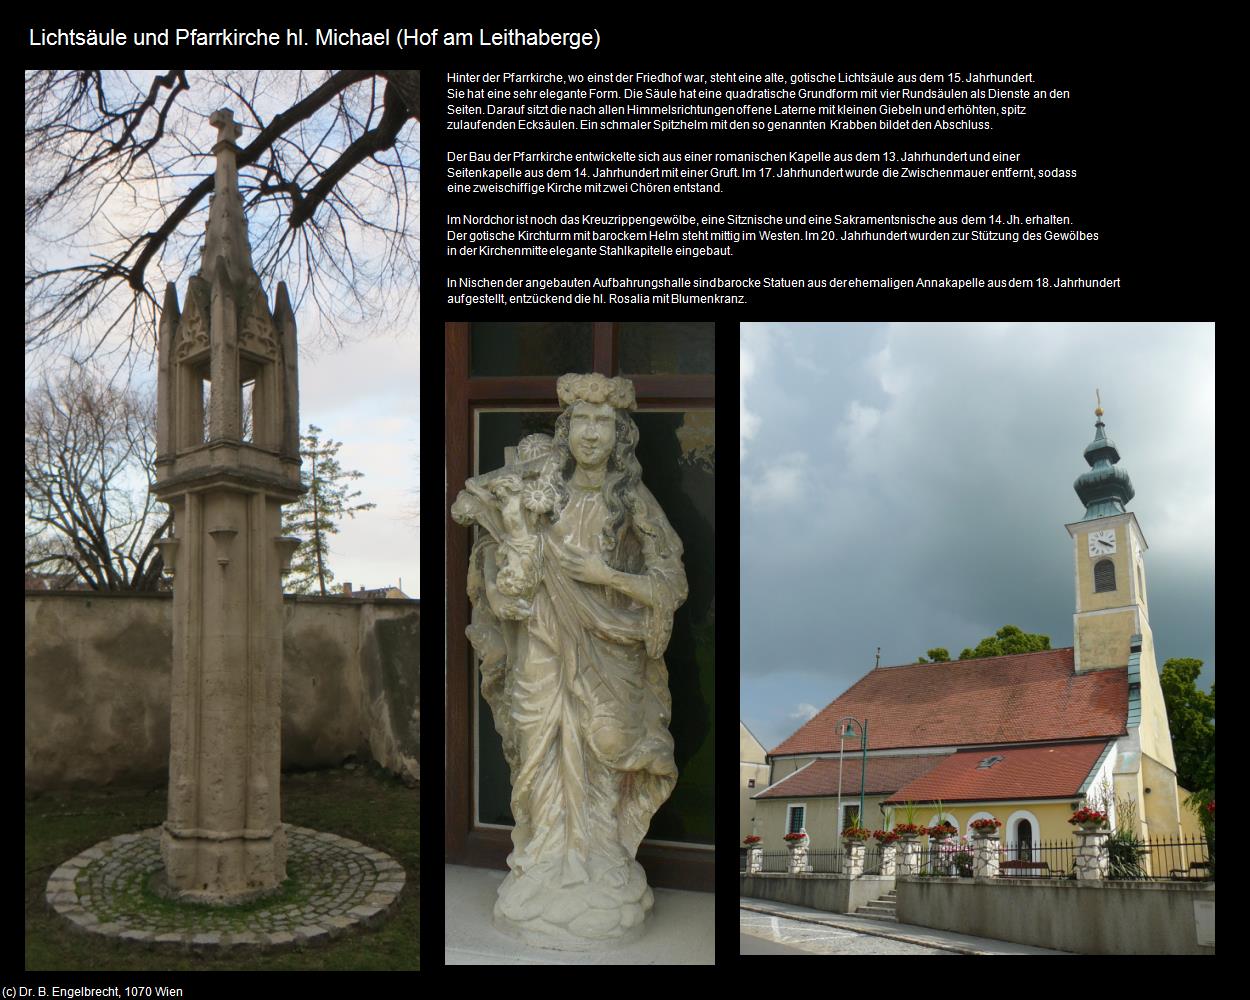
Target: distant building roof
<point>885,774</point>
<point>1032,772</point>
<point>377,592</point>
<point>1030,697</point>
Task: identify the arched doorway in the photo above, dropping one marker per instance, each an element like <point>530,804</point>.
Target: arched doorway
<point>1024,841</point>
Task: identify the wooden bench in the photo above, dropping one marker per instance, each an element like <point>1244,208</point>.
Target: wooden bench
<point>1201,867</point>
<point>1026,869</point>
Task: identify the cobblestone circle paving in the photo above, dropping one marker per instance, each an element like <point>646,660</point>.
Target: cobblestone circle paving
<point>332,884</point>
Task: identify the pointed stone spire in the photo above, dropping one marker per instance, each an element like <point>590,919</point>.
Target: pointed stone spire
<point>226,234</point>
<point>1105,489</point>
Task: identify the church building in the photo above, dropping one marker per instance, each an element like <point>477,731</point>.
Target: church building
<point>1027,738</point>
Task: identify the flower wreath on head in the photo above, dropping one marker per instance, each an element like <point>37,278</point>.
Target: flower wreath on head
<point>595,388</point>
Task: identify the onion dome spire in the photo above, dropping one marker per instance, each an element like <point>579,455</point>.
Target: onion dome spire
<point>1104,489</point>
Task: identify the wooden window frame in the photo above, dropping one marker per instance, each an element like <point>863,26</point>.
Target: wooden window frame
<point>667,865</point>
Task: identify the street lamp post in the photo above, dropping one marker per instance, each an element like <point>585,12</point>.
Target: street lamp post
<point>847,725</point>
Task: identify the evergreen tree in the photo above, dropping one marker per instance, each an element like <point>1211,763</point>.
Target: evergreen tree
<point>316,515</point>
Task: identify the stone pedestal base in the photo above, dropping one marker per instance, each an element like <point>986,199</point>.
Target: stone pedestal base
<point>335,885</point>
<point>203,868</point>
<point>608,911</point>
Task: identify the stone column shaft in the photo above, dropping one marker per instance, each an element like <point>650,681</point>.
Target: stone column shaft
<point>1093,861</point>
<point>985,856</point>
<point>908,857</point>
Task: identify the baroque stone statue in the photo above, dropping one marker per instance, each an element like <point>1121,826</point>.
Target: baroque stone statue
<point>574,579</point>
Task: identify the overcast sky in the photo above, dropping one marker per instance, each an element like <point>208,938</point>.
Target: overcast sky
<point>907,486</point>
<point>360,385</point>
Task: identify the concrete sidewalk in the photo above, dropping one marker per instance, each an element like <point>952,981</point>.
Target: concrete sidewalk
<point>909,933</point>
<point>680,930</point>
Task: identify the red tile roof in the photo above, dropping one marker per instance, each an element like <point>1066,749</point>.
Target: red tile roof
<point>885,774</point>
<point>1032,772</point>
<point>1005,699</point>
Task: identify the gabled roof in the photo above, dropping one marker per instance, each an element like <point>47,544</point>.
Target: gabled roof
<point>1030,697</point>
<point>1029,772</point>
<point>885,774</point>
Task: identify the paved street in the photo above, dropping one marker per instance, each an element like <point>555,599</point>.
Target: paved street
<point>770,928</point>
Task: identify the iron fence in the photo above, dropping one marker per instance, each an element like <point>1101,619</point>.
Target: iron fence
<point>872,859</point>
<point>953,858</point>
<point>1048,859</point>
<point>827,862</point>
<point>1161,858</point>
<point>774,861</point>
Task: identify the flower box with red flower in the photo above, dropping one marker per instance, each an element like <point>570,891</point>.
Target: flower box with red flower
<point>794,838</point>
<point>943,829</point>
<point>909,830</point>
<point>751,840</point>
<point>1088,819</point>
<point>884,837</point>
<point>855,834</point>
<point>985,827</point>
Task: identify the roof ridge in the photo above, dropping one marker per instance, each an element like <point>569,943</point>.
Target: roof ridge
<point>971,659</point>
<point>775,784</point>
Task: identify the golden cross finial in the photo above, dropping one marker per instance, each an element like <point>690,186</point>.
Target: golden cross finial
<point>1098,409</point>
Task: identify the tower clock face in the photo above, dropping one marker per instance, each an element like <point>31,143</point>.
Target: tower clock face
<point>1102,543</point>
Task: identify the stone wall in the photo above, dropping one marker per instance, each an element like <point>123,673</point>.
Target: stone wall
<point>97,686</point>
<point>1095,918</point>
<point>832,893</point>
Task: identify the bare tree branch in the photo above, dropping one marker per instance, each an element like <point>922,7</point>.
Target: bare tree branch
<point>90,453</point>
<point>119,165</point>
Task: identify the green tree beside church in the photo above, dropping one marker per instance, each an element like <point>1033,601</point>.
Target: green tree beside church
<point>1007,641</point>
<point>1191,719</point>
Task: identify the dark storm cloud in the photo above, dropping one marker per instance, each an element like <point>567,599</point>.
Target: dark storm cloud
<point>907,487</point>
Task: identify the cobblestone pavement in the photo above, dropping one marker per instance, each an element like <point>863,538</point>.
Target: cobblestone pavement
<point>332,884</point>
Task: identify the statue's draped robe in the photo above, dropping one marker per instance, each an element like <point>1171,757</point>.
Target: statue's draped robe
<point>579,691</point>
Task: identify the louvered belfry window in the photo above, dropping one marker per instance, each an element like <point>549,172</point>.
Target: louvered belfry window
<point>1104,576</point>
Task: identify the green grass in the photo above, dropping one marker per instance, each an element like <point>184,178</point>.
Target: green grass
<point>365,805</point>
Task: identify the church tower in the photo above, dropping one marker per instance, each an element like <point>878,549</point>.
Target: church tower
<point>1111,630</point>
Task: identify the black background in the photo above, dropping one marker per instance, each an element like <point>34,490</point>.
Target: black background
<point>1148,127</point>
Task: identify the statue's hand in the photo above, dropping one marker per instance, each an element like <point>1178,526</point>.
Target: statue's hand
<point>588,567</point>
<point>516,609</point>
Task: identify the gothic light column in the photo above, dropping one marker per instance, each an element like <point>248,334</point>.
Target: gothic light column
<point>226,468</point>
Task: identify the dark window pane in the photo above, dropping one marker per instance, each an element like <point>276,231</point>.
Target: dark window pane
<point>529,348</point>
<point>677,452</point>
<point>667,349</point>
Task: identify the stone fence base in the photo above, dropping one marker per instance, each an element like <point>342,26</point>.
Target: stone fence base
<point>832,893</point>
<point>1089,917</point>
